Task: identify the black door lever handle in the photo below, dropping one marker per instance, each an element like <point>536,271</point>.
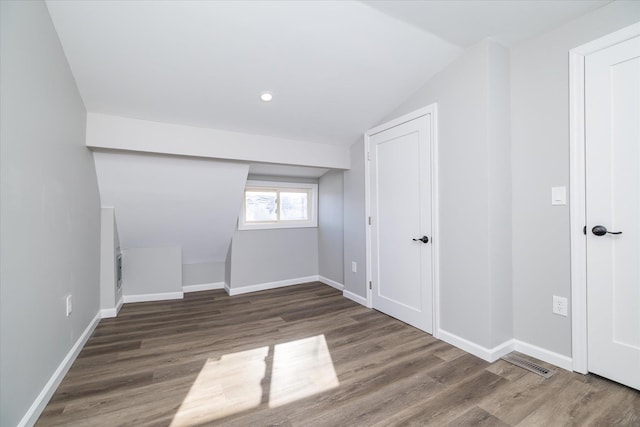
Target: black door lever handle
<point>423,239</point>
<point>601,230</point>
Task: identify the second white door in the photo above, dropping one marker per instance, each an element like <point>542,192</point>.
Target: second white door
<point>613,211</point>
<point>401,223</point>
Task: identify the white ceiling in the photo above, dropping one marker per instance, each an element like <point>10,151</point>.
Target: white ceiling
<point>336,68</point>
<point>465,22</point>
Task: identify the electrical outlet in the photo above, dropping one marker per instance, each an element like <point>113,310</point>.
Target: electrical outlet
<point>560,305</point>
<point>69,304</point>
<point>354,267</point>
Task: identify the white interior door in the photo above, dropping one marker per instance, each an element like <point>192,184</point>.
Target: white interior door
<point>612,99</point>
<point>400,185</point>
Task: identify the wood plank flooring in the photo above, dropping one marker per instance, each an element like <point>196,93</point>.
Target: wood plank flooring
<point>306,356</point>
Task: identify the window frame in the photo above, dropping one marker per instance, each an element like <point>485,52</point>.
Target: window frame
<point>259,185</point>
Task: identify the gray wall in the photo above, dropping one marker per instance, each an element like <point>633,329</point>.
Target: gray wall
<point>202,273</point>
<point>354,222</point>
<point>227,266</point>
<point>330,226</point>
<point>264,256</point>
<point>474,175</point>
<point>540,159</point>
<point>109,246</point>
<point>151,270</point>
<point>499,194</point>
<point>49,205</point>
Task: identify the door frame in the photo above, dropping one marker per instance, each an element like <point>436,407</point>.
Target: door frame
<point>431,111</point>
<point>577,189</point>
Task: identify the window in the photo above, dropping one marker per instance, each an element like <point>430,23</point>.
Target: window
<point>268,204</point>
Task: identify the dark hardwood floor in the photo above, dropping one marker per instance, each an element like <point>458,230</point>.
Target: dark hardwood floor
<point>306,356</point>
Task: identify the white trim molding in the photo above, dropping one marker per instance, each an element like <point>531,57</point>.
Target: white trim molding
<point>106,313</point>
<point>495,353</point>
<point>202,287</point>
<point>577,191</point>
<point>431,110</point>
<point>50,387</point>
<point>543,354</point>
<point>332,283</point>
<point>484,353</point>
<point>270,285</point>
<point>153,297</point>
<point>355,297</point>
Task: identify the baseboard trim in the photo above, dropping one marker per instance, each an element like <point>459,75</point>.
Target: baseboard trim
<point>354,297</point>
<point>153,297</point>
<point>107,313</point>
<point>203,287</point>
<point>332,283</point>
<point>271,285</point>
<point>49,389</point>
<point>545,355</point>
<point>484,353</point>
<point>227,289</point>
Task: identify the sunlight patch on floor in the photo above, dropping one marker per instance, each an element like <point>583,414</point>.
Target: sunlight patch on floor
<point>274,375</point>
<point>224,387</point>
<point>300,369</point>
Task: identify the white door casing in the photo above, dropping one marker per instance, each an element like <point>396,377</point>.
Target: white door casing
<point>400,192</point>
<point>612,118</point>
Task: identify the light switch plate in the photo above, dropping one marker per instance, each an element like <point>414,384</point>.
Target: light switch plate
<point>69,304</point>
<point>558,195</point>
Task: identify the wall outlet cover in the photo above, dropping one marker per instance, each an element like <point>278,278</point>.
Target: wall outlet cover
<point>560,305</point>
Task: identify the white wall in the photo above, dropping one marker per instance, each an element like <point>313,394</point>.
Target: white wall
<point>110,293</point>
<point>203,273</point>
<point>49,206</point>
<point>330,226</point>
<point>354,223</point>
<point>540,159</point>
<point>119,133</point>
<point>474,175</point>
<point>151,271</point>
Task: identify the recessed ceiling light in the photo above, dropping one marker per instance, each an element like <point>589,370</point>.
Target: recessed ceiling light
<point>266,96</point>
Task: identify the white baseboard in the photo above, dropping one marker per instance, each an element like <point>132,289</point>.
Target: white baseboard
<point>484,353</point>
<point>106,313</point>
<point>203,287</point>
<point>545,355</point>
<point>227,289</point>
<point>354,297</point>
<point>153,297</point>
<point>332,283</point>
<point>49,389</point>
<point>270,285</point>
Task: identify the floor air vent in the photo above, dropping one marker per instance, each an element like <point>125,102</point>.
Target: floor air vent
<point>528,365</point>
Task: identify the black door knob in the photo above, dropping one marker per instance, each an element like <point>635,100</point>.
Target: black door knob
<point>423,239</point>
<point>601,230</point>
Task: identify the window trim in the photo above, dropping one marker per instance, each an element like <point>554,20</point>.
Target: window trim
<point>277,185</point>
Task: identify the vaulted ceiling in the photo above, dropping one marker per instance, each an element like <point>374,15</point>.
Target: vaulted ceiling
<point>335,68</point>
